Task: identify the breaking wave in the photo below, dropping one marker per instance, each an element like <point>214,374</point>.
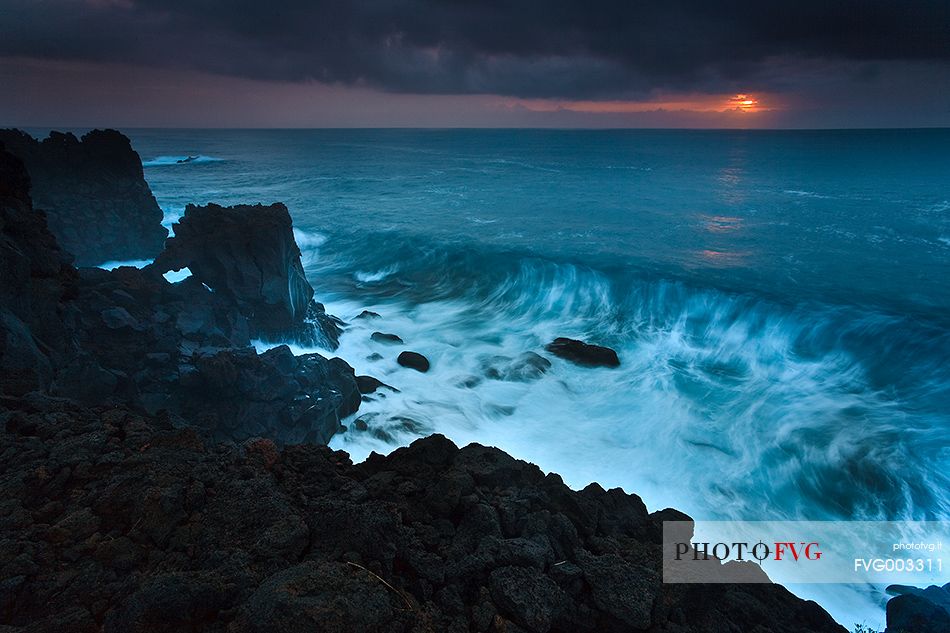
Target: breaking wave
<point>727,405</point>
<point>186,159</point>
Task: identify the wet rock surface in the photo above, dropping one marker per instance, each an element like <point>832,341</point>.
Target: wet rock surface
<point>248,253</point>
<point>129,337</point>
<point>368,385</point>
<point>383,337</point>
<point>413,360</point>
<point>116,521</point>
<point>525,368</point>
<point>582,353</point>
<point>919,610</point>
<point>93,192</point>
<point>36,279</point>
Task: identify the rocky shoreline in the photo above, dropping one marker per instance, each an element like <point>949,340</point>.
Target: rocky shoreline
<point>158,474</point>
<point>117,521</point>
<point>94,193</point>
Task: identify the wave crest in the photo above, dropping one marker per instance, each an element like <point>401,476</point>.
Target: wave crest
<point>186,159</point>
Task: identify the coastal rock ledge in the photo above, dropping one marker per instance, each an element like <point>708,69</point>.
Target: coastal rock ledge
<point>249,254</point>
<point>94,193</point>
<point>129,337</point>
<point>115,522</point>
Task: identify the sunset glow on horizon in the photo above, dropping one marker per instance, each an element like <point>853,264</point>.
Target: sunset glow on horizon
<point>744,103</point>
<point>741,102</point>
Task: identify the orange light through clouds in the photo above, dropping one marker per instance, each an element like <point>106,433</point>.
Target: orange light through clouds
<point>744,103</point>
<point>695,103</point>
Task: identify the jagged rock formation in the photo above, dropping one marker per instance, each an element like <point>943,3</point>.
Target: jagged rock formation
<point>249,254</point>
<point>35,278</point>
<point>94,194</point>
<point>918,610</point>
<point>116,522</point>
<point>129,337</point>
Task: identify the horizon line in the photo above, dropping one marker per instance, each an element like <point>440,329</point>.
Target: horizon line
<point>479,128</point>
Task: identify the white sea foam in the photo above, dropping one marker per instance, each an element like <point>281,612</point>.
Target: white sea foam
<point>134,263</point>
<point>186,159</point>
<point>375,276</point>
<point>806,194</point>
<point>174,276</point>
<point>171,215</point>
<point>309,243</point>
<point>724,407</point>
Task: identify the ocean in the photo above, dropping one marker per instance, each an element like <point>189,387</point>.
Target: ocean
<point>780,302</point>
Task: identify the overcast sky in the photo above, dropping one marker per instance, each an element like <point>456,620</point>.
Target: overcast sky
<point>292,63</point>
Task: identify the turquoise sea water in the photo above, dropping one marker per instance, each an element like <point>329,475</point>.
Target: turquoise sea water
<point>779,300</point>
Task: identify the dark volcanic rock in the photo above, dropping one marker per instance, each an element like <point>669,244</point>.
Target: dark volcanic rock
<point>114,521</point>
<point>368,384</point>
<point>183,348</point>
<point>94,194</point>
<point>367,314</point>
<point>413,360</point>
<point>382,337</point>
<point>919,610</point>
<point>35,278</point>
<point>525,368</point>
<point>583,353</point>
<point>129,337</point>
<point>330,597</point>
<point>237,394</point>
<point>248,253</point>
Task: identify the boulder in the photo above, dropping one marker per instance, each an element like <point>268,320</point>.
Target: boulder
<point>382,337</point>
<point>94,193</point>
<point>368,384</point>
<point>328,597</point>
<point>23,367</point>
<point>413,360</point>
<point>919,610</point>
<point>237,394</point>
<point>527,596</point>
<point>36,277</point>
<point>585,354</point>
<point>248,254</point>
<point>525,368</point>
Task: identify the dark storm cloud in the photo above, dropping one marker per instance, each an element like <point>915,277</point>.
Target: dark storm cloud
<point>554,48</point>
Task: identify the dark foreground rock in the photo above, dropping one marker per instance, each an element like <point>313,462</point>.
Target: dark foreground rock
<point>248,253</point>
<point>236,394</point>
<point>129,337</point>
<point>383,337</point>
<point>583,353</point>
<point>36,278</point>
<point>525,368</point>
<point>114,521</point>
<point>94,194</point>
<point>413,360</point>
<point>369,384</point>
<point>919,610</point>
